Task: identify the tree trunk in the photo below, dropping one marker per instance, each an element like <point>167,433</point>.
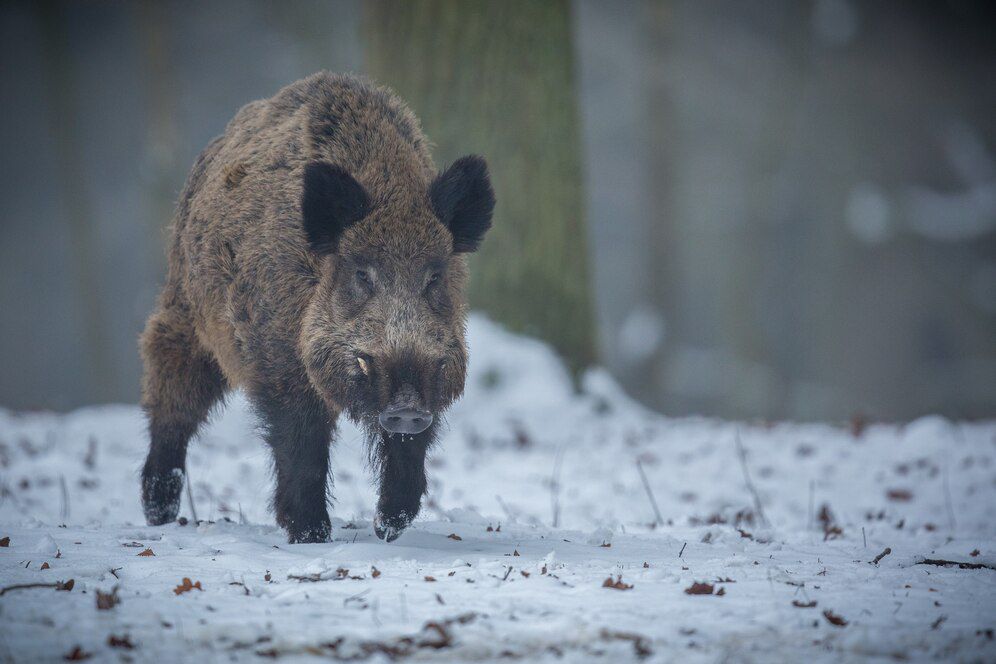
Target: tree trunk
<point>497,79</point>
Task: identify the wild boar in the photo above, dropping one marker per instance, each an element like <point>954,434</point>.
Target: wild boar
<point>316,260</point>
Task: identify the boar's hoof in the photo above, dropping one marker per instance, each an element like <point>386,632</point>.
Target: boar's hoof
<point>317,534</point>
<point>161,496</point>
<point>390,529</point>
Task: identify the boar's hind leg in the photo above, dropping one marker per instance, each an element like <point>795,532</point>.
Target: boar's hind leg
<point>401,462</point>
<point>298,428</point>
<point>180,385</point>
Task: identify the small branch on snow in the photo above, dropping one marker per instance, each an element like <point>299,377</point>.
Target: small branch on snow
<point>58,585</point>
<point>65,497</point>
<point>508,512</point>
<point>948,563</point>
<point>879,557</point>
<point>682,549</point>
<point>555,487</point>
<point>750,485</point>
<point>812,503</point>
<point>650,494</point>
<point>190,496</point>
<point>947,498</point>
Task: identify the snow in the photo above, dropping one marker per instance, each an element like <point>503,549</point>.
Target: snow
<point>523,450</point>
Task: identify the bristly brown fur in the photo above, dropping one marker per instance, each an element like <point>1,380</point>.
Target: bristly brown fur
<point>234,174</point>
<point>341,291</point>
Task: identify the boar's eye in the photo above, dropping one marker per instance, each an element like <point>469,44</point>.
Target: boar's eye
<point>432,282</point>
<point>363,277</point>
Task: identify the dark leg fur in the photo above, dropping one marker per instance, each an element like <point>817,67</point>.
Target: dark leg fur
<point>299,429</point>
<point>181,384</point>
<point>401,464</point>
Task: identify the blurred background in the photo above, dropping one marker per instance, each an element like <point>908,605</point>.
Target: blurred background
<point>770,210</point>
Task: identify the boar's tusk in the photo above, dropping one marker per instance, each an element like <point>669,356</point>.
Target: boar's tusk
<point>363,366</point>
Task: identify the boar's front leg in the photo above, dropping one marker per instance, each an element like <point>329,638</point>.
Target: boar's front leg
<point>401,461</point>
<point>298,428</point>
<point>181,384</point>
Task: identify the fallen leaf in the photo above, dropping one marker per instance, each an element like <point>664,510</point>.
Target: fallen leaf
<point>617,584</point>
<point>269,577</point>
<point>147,552</point>
<point>186,586</point>
<point>834,619</point>
<point>430,579</point>
<point>803,605</point>
<point>120,642</point>
<point>524,573</point>
<point>646,565</point>
<point>454,536</point>
<point>605,545</point>
<point>374,572</point>
<point>45,566</point>
<point>721,592</point>
<point>899,495</point>
<point>106,601</point>
<point>699,589</point>
<point>65,585</point>
<point>77,654</point>
<point>975,553</point>
<point>515,552</point>
<point>5,541</point>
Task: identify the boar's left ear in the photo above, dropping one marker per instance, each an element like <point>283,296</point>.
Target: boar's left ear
<point>332,202</point>
<point>463,200</point>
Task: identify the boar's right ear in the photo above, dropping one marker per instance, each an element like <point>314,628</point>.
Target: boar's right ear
<point>463,200</point>
<point>332,202</point>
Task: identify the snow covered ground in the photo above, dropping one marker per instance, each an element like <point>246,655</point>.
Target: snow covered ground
<point>536,503</point>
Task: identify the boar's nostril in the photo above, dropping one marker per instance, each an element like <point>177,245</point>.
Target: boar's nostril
<point>405,420</point>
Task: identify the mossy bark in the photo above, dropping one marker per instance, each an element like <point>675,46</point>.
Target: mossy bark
<point>497,79</point>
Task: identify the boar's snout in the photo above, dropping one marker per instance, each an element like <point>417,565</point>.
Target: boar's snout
<point>405,420</point>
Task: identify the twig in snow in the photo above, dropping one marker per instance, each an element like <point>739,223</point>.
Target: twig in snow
<point>947,498</point>
<point>650,494</point>
<point>555,487</point>
<point>508,512</point>
<point>750,485</point>
<point>947,563</point>
<point>864,540</point>
<point>682,549</point>
<point>58,585</point>
<point>879,557</point>
<point>65,497</point>
<point>190,497</point>
<point>812,503</point>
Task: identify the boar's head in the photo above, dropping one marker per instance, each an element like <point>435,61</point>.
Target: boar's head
<point>383,336</point>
